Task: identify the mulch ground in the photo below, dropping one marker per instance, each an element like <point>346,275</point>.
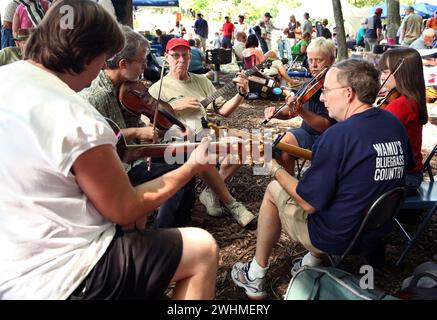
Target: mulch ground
<point>238,244</point>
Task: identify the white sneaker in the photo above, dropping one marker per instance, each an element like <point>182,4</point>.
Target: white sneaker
<point>211,203</point>
<point>255,289</point>
<point>240,213</point>
<point>297,264</point>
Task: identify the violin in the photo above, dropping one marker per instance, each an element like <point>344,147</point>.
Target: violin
<point>393,93</point>
<point>383,102</point>
<point>134,97</point>
<point>315,84</point>
<point>304,94</point>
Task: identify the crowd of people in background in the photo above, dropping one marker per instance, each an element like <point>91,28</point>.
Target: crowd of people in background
<point>281,36</point>
<point>290,39</point>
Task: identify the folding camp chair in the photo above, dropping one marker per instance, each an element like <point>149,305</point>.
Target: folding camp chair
<point>249,62</point>
<point>384,209</point>
<point>217,57</point>
<point>426,200</point>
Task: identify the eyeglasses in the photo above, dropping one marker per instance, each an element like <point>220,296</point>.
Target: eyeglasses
<point>326,90</point>
<point>176,55</point>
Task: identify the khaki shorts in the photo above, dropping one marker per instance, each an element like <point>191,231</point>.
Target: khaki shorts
<point>293,217</point>
<point>202,41</point>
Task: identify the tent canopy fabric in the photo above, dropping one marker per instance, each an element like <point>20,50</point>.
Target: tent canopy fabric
<point>423,9</point>
<point>383,6</point>
<point>426,10</point>
<point>156,3</point>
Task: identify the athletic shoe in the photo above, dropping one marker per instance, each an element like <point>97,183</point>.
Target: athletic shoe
<point>255,289</point>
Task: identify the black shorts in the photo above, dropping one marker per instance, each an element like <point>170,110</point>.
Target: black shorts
<point>136,265</point>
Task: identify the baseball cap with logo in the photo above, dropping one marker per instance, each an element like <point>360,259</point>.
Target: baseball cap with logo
<point>177,42</point>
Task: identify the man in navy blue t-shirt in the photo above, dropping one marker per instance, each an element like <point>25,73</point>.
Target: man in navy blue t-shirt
<point>354,162</point>
<point>201,30</point>
<point>315,118</point>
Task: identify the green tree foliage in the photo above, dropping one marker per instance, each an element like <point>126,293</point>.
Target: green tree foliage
<point>370,3</point>
<point>364,3</point>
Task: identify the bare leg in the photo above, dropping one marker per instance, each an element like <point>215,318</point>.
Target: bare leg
<point>228,170</point>
<point>269,226</point>
<point>213,180</point>
<point>318,255</point>
<point>197,271</point>
<point>287,160</point>
<point>284,75</point>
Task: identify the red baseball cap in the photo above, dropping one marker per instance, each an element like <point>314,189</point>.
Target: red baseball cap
<point>177,42</point>
<point>378,10</point>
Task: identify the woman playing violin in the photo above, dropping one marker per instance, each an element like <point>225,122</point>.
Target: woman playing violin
<point>410,106</point>
<point>321,53</point>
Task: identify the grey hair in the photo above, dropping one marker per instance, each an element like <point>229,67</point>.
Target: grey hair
<point>361,76</point>
<point>324,46</point>
<point>133,41</point>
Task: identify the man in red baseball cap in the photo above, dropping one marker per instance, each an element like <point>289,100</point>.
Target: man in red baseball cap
<point>184,91</point>
<point>374,30</point>
<point>176,42</point>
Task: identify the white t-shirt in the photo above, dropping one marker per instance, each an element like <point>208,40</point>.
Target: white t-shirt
<point>7,10</point>
<point>238,49</point>
<point>51,236</point>
<point>242,27</point>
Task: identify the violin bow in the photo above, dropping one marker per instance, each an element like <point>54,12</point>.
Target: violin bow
<point>397,67</point>
<point>155,116</point>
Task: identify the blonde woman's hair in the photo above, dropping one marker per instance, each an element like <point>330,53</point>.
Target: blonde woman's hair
<point>324,46</point>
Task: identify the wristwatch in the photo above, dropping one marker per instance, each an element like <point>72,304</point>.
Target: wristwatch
<point>244,95</point>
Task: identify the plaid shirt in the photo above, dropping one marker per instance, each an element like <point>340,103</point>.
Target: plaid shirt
<point>102,94</point>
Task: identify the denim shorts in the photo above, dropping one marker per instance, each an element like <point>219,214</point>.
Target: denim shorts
<point>303,137</point>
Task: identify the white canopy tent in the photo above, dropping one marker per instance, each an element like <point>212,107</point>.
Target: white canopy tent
<point>323,9</point>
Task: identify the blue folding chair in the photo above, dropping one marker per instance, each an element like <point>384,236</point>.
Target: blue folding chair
<point>425,200</point>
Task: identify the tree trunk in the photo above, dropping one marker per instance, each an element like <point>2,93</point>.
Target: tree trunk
<point>342,53</point>
<point>128,13</point>
<point>393,20</point>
